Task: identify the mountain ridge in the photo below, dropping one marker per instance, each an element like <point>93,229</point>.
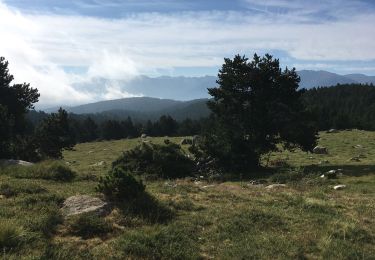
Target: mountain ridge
<point>196,87</point>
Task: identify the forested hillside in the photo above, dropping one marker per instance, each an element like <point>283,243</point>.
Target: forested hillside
<point>343,106</point>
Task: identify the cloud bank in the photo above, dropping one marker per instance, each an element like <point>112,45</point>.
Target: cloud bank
<point>57,53</point>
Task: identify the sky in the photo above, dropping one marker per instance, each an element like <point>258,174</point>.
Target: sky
<point>60,45</point>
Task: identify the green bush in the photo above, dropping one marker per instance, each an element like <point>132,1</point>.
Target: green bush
<point>48,170</point>
<point>89,225</point>
<point>166,161</point>
<point>120,185</point>
<point>147,208</point>
<point>11,235</point>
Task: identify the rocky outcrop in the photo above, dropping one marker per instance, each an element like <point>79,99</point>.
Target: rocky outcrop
<point>84,203</point>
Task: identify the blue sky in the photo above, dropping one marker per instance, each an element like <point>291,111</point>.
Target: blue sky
<point>57,45</point>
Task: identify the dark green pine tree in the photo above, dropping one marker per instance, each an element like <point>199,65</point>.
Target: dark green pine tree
<point>15,101</point>
<point>255,107</point>
<point>90,130</point>
<point>54,134</point>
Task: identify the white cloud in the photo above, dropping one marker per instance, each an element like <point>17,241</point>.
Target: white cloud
<point>114,91</point>
<point>39,46</point>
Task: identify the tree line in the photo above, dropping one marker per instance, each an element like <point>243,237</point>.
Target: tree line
<point>255,107</point>
<point>86,128</point>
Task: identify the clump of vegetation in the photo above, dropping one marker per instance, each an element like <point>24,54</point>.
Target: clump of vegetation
<point>47,170</point>
<point>11,235</point>
<point>148,208</point>
<point>89,225</point>
<point>13,188</point>
<point>166,161</point>
<point>120,185</point>
<point>47,221</point>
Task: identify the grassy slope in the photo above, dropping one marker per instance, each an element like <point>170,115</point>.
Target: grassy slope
<point>308,219</point>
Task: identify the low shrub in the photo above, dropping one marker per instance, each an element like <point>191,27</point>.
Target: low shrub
<point>166,161</point>
<point>148,209</point>
<point>48,170</point>
<point>11,235</point>
<point>120,185</point>
<point>89,225</point>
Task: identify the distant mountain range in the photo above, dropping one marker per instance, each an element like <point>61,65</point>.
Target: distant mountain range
<point>321,78</point>
<point>143,108</point>
<point>187,88</point>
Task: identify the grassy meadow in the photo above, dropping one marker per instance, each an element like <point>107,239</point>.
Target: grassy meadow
<point>189,219</point>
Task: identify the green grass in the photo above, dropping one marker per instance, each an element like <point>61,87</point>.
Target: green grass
<point>179,219</point>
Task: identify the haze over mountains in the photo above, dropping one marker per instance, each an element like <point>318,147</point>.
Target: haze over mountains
<point>171,95</point>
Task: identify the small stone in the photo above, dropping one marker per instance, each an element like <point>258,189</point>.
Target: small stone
<point>322,176</point>
<point>339,187</point>
<point>275,186</point>
<point>331,131</point>
<point>320,150</point>
<point>354,159</point>
<point>101,163</point>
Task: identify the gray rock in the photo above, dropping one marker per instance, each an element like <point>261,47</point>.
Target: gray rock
<point>339,187</point>
<point>143,135</point>
<point>331,131</point>
<point>15,162</point>
<point>84,203</point>
<point>208,186</point>
<point>275,186</point>
<point>320,150</point>
<point>354,159</point>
